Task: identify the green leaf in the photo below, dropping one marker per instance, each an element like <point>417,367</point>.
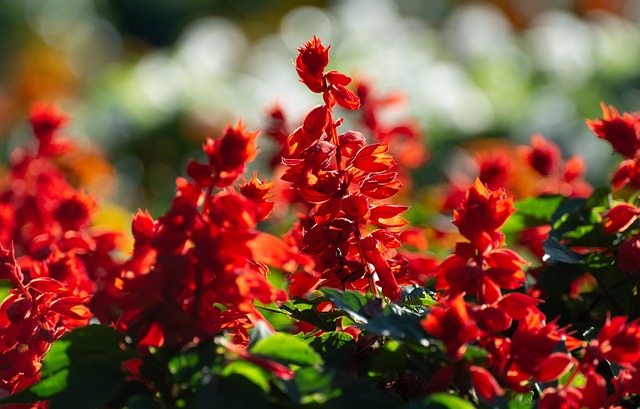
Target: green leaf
<point>82,369</point>
<point>399,324</point>
<point>521,401</point>
<point>390,359</point>
<point>306,311</point>
<point>232,391</point>
<point>556,252</point>
<point>250,371</point>
<point>417,296</point>
<point>287,348</point>
<point>351,302</point>
<point>532,212</point>
<point>336,348</point>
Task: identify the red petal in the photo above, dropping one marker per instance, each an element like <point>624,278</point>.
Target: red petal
<point>72,307</point>
<point>484,383</point>
<point>344,97</point>
<point>335,77</point>
<point>19,310</point>
<point>553,367</point>
<point>47,285</point>
<point>388,215</point>
<point>373,158</point>
<point>273,252</point>
<point>620,217</point>
<point>518,305</point>
<point>355,207</point>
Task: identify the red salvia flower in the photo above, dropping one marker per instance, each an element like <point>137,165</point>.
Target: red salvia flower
<point>620,131</point>
<point>48,252</point>
<point>341,178</point>
<point>453,325</point>
<point>312,59</point>
<point>482,212</point>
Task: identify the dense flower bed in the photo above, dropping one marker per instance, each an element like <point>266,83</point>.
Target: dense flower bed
<point>529,298</point>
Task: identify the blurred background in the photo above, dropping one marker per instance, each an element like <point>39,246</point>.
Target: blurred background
<point>145,81</point>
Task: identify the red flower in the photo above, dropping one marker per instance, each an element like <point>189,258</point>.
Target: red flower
<point>482,212</point>
<point>46,120</point>
<point>543,156</point>
<point>628,172</point>
<point>453,326</point>
<point>312,59</point>
<point>619,341</point>
<point>620,217</point>
<point>620,131</point>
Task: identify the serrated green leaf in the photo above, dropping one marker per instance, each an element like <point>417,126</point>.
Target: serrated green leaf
<point>288,348</point>
<point>351,302</point>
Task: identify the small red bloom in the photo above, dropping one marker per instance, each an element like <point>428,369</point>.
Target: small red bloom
<point>620,131</point>
<point>453,326</point>
<point>619,341</point>
<point>620,217</point>
<point>46,120</point>
<point>485,384</point>
<point>312,59</point>
<point>543,156</point>
<point>482,211</point>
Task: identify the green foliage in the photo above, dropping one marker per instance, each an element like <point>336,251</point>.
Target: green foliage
<point>535,211</point>
<point>76,363</point>
<point>287,348</point>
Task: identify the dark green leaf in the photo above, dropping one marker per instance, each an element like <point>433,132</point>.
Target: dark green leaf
<point>82,369</point>
<point>336,348</point>
<point>390,359</point>
<point>417,296</point>
<point>288,348</point>
<point>255,374</point>
<point>233,391</point>
<point>556,252</point>
<point>556,278</point>
<point>398,324</point>
<point>351,302</point>
<point>306,311</point>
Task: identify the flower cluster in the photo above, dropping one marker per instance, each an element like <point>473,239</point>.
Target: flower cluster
<point>197,270</point>
<point>345,182</point>
<point>49,252</point>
